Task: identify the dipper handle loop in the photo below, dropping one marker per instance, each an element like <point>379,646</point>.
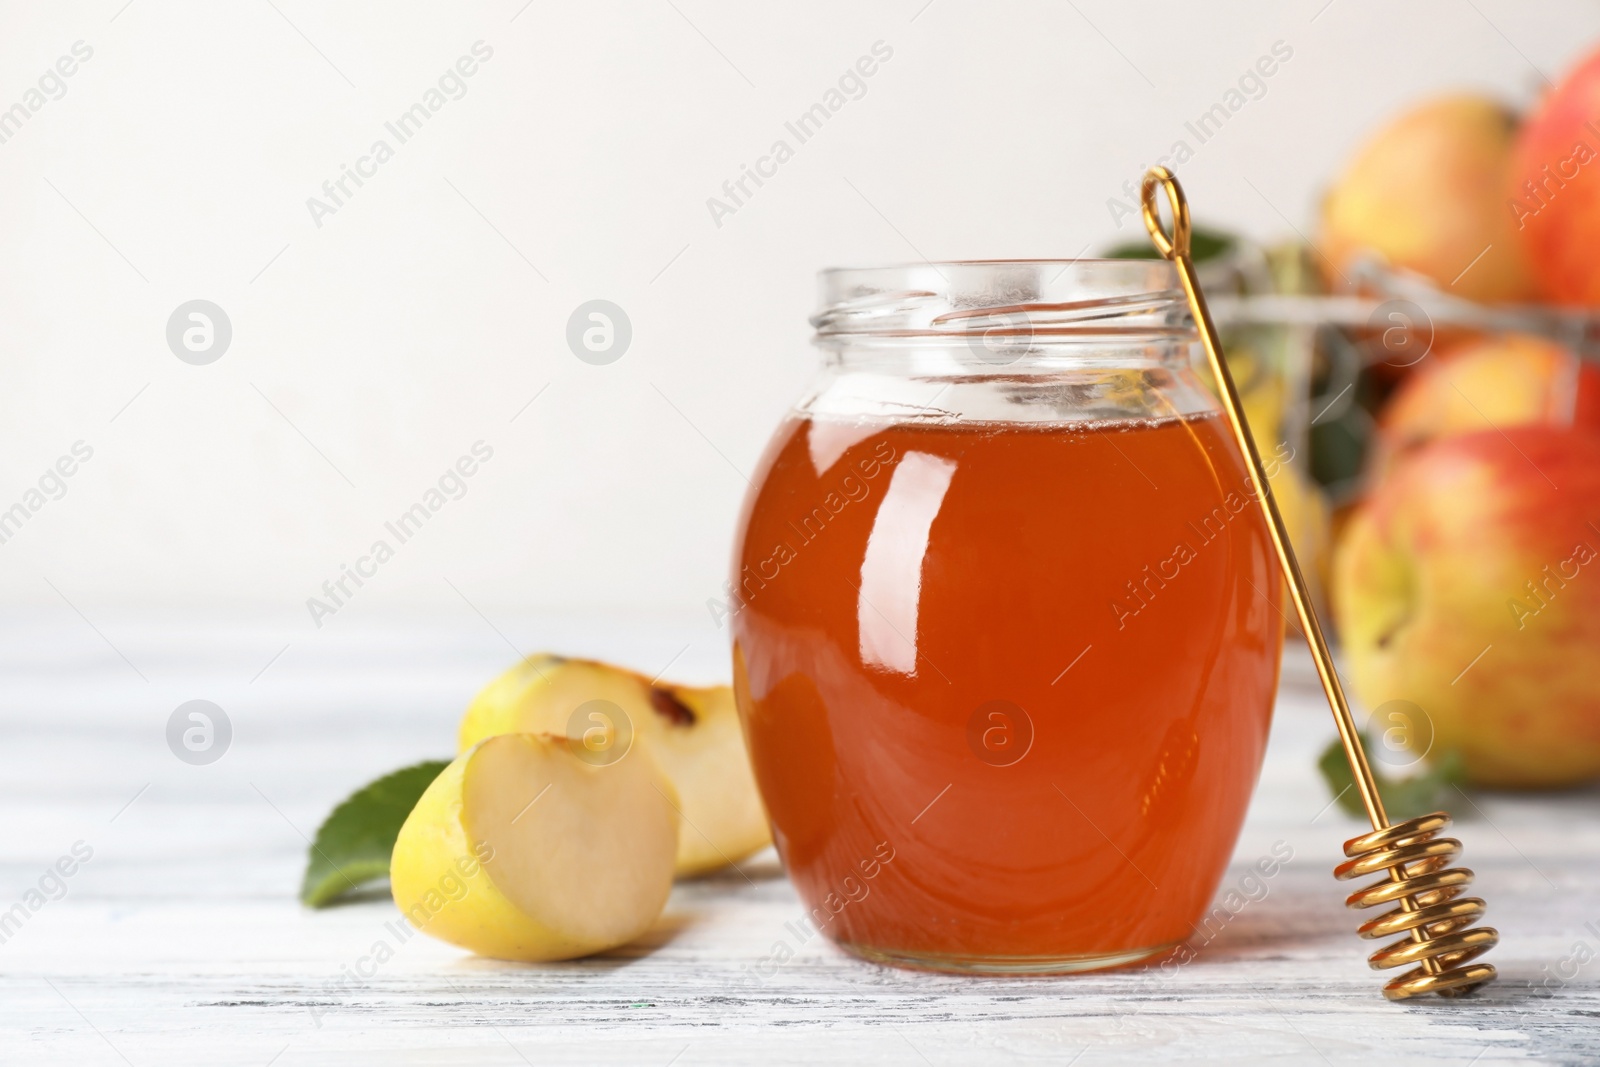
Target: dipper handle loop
<point>1428,912</point>
<point>1177,245</point>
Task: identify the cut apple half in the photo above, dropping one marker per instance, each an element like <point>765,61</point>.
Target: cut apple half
<point>522,849</point>
<point>692,732</point>
<point>696,737</point>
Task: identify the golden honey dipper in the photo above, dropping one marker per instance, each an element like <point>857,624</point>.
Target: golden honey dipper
<point>1432,913</point>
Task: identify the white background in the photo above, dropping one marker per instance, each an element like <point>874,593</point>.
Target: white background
<point>415,321</point>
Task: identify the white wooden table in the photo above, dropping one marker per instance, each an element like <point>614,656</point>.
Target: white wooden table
<point>180,939</point>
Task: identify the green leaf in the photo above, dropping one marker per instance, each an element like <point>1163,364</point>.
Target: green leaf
<point>1403,798</point>
<point>1204,244</point>
<point>354,842</point>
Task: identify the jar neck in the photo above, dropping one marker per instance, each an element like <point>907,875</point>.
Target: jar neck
<point>1016,341</point>
<point>1007,315</point>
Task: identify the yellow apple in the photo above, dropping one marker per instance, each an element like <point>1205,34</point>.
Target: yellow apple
<point>1468,584</point>
<point>1300,500</point>
<point>1428,192</point>
<point>522,850</point>
<point>692,732</point>
<point>1508,380</point>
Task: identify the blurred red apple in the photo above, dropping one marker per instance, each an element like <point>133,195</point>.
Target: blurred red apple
<point>1554,200</point>
<point>1428,193</point>
<point>1469,585</point>
<point>1496,382</point>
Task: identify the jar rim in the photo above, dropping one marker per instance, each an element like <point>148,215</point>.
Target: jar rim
<point>1032,301</point>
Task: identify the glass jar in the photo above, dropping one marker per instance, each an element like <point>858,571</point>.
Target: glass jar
<point>1007,624</point>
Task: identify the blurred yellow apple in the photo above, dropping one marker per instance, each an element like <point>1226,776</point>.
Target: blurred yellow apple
<point>1300,499</point>
<point>1429,193</point>
<point>1495,382</point>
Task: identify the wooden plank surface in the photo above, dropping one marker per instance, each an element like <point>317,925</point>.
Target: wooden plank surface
<point>180,941</point>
